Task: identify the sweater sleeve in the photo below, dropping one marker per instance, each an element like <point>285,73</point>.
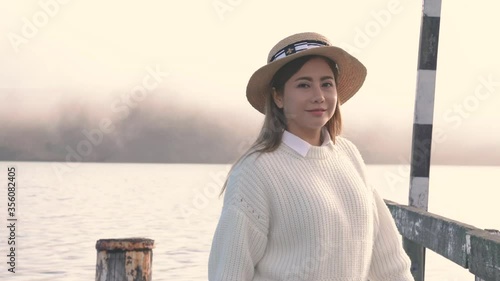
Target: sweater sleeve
<point>389,260</point>
<point>240,238</point>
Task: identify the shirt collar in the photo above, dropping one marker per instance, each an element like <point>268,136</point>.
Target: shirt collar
<point>300,145</point>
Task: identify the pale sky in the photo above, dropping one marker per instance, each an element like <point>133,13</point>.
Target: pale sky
<point>210,49</point>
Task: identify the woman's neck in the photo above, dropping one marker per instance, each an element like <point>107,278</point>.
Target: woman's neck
<point>313,138</point>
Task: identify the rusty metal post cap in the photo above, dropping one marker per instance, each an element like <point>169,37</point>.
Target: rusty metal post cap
<point>124,244</point>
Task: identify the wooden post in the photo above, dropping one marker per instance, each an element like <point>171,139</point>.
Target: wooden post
<point>422,127</point>
<point>128,259</point>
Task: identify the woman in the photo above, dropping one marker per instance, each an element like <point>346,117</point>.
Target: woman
<point>297,205</point>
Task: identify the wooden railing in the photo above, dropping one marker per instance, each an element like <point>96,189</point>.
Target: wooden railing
<point>468,246</point>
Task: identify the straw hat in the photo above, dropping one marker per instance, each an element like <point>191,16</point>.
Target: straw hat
<point>351,76</point>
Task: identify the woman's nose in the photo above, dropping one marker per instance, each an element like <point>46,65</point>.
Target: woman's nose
<point>318,95</point>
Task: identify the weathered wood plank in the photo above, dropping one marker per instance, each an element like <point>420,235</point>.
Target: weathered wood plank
<point>442,235</point>
<point>484,260</point>
<point>466,245</point>
<point>124,259</point>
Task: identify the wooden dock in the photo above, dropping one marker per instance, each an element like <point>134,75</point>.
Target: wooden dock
<point>469,247</point>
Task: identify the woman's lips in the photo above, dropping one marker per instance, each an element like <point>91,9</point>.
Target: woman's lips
<point>316,112</point>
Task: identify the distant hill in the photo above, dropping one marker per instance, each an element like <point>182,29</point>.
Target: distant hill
<point>159,131</point>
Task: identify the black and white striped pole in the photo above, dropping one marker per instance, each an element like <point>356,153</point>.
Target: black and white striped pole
<point>422,125</point>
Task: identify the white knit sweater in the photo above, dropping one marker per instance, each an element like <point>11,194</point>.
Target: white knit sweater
<point>308,214</point>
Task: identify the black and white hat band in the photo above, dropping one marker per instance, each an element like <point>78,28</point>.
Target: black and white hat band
<point>297,47</point>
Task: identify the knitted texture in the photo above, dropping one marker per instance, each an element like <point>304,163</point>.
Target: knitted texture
<point>291,217</point>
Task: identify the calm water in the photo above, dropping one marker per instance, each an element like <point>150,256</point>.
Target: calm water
<point>63,212</point>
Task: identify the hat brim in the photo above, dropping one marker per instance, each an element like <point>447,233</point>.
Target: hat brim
<point>352,74</point>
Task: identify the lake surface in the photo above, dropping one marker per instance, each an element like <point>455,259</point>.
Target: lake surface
<point>63,211</point>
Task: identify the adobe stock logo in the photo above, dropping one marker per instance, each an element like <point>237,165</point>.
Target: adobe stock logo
<point>123,106</point>
<point>471,103</point>
<point>454,117</point>
<point>371,29</point>
<point>223,6</point>
<point>39,19</point>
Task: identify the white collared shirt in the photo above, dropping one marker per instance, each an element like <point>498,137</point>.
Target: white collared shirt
<point>300,145</point>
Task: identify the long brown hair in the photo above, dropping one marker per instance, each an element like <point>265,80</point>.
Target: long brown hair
<point>275,122</point>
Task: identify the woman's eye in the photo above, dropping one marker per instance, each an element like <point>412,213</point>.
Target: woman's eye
<point>303,85</point>
<point>328,84</point>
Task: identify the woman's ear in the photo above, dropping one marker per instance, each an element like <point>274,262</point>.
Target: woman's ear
<point>278,99</point>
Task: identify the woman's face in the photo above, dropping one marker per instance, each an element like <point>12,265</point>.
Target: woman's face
<point>312,87</point>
